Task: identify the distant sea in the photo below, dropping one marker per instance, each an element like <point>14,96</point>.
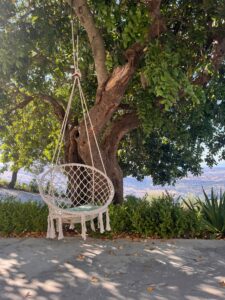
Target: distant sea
<point>191,185</point>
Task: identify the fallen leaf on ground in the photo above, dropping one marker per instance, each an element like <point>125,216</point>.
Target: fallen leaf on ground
<point>222,283</point>
<point>199,258</point>
<point>94,279</point>
<point>150,289</point>
<point>80,257</point>
<point>27,295</point>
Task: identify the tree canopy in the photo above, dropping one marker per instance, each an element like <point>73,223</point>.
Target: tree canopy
<point>153,67</point>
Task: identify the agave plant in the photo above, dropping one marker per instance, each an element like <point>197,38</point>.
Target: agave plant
<point>213,211</point>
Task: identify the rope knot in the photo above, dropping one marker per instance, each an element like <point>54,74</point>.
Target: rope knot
<point>77,73</point>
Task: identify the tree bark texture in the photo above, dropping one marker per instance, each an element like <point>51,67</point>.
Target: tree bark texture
<point>12,183</point>
<point>109,94</point>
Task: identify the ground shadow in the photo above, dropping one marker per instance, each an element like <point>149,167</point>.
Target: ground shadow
<point>42,269</point>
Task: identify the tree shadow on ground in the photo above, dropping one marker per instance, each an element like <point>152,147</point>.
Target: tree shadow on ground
<point>98,269</point>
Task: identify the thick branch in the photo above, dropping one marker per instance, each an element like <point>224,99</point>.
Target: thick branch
<point>58,108</point>
<point>97,44</point>
<point>117,131</point>
<point>158,25</point>
<point>109,97</point>
<point>22,104</point>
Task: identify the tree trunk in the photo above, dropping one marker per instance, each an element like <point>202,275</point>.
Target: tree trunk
<point>110,160</point>
<point>110,91</point>
<point>12,183</point>
<point>116,175</point>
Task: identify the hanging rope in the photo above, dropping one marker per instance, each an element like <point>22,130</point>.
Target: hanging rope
<point>67,188</point>
<point>86,116</point>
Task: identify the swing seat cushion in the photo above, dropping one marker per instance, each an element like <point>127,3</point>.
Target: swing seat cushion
<point>87,207</point>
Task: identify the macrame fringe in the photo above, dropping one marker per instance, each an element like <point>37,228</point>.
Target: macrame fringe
<point>71,225</point>
<point>100,218</point>
<point>92,225</point>
<point>108,227</point>
<point>60,236</point>
<point>83,227</point>
<point>52,234</point>
<point>98,224</point>
<point>57,225</point>
<point>49,228</point>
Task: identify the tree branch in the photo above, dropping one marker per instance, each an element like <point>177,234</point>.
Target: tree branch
<point>96,41</point>
<point>118,130</point>
<point>109,97</point>
<point>218,56</point>
<point>158,25</point>
<point>22,104</point>
<point>58,108</point>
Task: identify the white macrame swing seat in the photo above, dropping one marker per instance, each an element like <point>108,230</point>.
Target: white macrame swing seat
<point>76,193</point>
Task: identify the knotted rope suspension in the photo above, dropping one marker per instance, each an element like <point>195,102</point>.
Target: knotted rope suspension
<point>76,193</point>
<point>86,115</point>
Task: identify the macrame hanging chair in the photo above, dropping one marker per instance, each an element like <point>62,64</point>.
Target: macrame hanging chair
<point>76,193</point>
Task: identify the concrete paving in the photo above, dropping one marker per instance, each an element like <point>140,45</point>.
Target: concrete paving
<point>94,269</point>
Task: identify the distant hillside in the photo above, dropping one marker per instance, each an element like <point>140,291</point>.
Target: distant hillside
<point>214,177</point>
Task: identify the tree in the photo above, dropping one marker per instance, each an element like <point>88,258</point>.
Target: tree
<point>150,66</point>
<point>27,138</point>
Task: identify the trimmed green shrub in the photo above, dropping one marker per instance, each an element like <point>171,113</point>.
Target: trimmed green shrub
<point>17,217</point>
<point>161,217</point>
<point>31,187</point>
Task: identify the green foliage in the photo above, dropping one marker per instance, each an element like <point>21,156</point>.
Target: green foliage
<point>171,158</point>
<point>162,217</point>
<point>166,78</point>
<point>17,217</point>
<point>31,187</point>
<point>177,117</point>
<point>23,147</point>
<point>135,29</point>
<point>212,209</point>
<point>4,182</point>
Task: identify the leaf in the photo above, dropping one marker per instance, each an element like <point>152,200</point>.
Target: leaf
<point>80,257</point>
<point>94,279</point>
<point>222,283</point>
<point>28,294</point>
<point>150,289</point>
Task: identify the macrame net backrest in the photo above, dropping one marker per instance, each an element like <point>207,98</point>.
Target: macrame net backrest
<point>76,188</point>
<point>71,186</point>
